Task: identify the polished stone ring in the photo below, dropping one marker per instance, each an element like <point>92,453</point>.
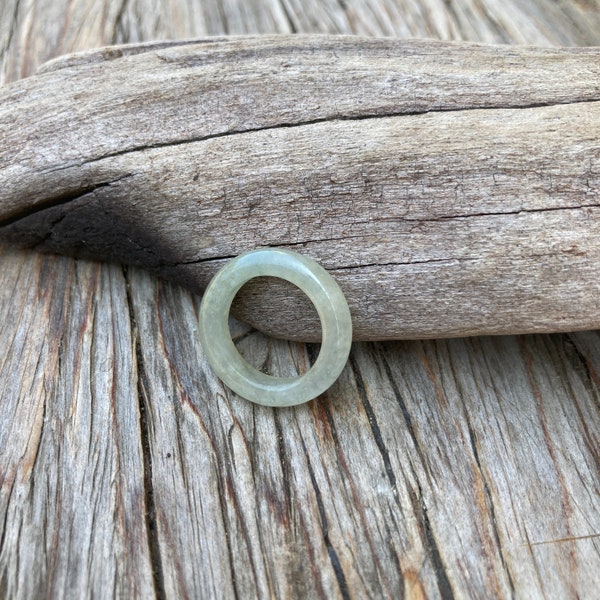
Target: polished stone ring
<point>323,292</point>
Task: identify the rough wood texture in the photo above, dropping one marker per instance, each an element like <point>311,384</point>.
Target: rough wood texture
<point>457,468</point>
<point>447,194</point>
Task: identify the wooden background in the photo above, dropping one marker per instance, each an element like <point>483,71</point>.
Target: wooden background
<point>455,468</point>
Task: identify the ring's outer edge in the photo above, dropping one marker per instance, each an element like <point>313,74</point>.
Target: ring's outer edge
<point>324,293</point>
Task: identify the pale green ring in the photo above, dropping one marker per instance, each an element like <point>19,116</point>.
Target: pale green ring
<point>323,292</point>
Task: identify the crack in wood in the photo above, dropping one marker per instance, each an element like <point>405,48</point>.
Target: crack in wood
<point>573,538</point>
<point>417,500</point>
<point>521,211</point>
<point>120,31</point>
<point>385,456</point>
<point>288,16</point>
<point>63,199</point>
<point>375,115</point>
<point>11,31</point>
<point>488,496</point>
<point>333,557</point>
<point>145,442</point>
<point>429,541</point>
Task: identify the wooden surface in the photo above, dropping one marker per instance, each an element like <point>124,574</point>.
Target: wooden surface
<point>446,194</point>
<point>448,468</point>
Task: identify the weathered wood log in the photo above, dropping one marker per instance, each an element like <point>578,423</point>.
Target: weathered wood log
<point>452,189</point>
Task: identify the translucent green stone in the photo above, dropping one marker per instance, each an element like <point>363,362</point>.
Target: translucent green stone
<point>324,293</point>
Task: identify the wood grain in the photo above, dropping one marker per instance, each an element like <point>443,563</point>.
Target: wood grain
<point>447,194</point>
<point>442,469</point>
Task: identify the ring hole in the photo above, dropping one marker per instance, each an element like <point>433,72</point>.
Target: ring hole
<point>297,319</point>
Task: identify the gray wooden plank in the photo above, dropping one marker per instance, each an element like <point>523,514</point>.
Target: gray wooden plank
<point>454,468</point>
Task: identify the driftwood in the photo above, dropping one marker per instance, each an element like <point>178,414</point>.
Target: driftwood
<point>451,188</point>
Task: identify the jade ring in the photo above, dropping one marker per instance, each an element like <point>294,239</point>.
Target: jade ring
<point>323,292</point>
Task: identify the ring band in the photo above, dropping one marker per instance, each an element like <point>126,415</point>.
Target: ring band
<point>323,292</point>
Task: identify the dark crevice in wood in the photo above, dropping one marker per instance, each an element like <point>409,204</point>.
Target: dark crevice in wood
<point>521,211</point>
<point>319,240</point>
<point>486,487</point>
<point>418,503</point>
<point>444,585</point>
<point>318,121</point>
<point>195,261</point>
<point>242,336</point>
<point>59,200</point>
<point>150,517</point>
<point>121,32</point>
<point>333,557</point>
<point>286,472</point>
<point>3,584</point>
<point>118,51</point>
<point>288,16</point>
<point>223,492</point>
<point>398,396</point>
<point>231,499</point>
<point>222,12</point>
<point>501,35</point>
<point>362,393</point>
<point>230,552</point>
<point>51,229</point>
<point>36,456</point>
<point>7,501</point>
<point>377,436</point>
<point>400,263</point>
<point>589,378</point>
<point>489,499</point>
<point>453,15</point>
<point>312,350</point>
<point>11,30</point>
